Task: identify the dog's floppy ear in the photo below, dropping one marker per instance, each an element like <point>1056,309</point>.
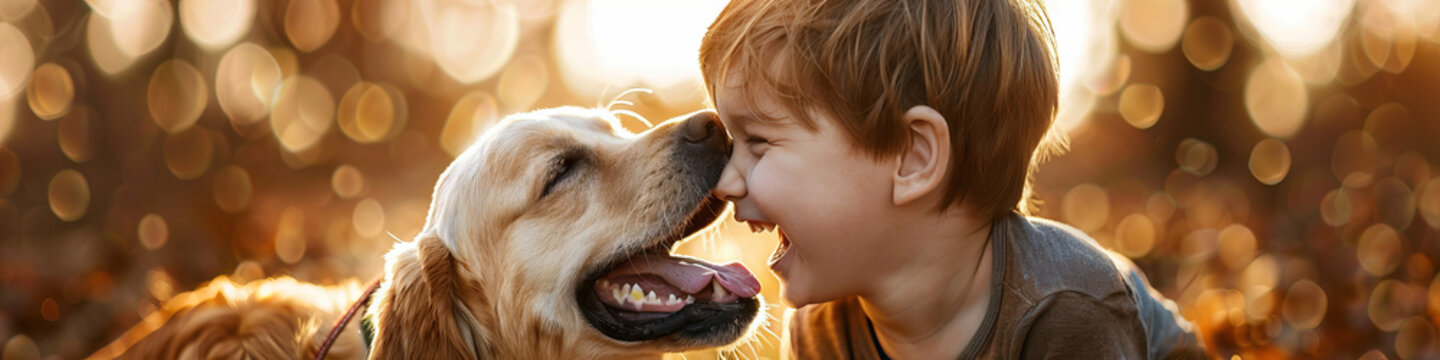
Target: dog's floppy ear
<point>420,316</point>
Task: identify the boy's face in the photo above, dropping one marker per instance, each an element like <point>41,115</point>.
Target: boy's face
<point>826,197</point>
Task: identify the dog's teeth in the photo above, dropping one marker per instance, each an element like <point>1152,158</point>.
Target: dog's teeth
<point>637,304</point>
<point>672,300</point>
<point>625,290</point>
<point>652,299</point>
<point>604,284</point>
<point>620,298</point>
<point>637,295</point>
<point>689,299</point>
<point>719,291</point>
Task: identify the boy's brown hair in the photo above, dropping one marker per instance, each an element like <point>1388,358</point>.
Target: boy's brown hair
<point>987,66</point>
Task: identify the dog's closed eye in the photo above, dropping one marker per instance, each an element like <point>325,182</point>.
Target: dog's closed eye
<point>562,168</point>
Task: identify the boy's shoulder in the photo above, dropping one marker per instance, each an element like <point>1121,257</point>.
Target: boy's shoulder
<point>1047,257</point>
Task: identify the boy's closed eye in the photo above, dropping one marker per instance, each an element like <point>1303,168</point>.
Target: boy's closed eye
<point>757,144</point>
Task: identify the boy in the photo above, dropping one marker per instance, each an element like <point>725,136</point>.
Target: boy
<point>889,143</point>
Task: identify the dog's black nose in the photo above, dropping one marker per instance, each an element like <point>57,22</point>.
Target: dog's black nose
<point>704,128</point>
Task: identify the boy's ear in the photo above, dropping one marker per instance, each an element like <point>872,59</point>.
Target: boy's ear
<point>922,167</point>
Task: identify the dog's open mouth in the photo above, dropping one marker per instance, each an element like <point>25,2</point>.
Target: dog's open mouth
<point>651,293</point>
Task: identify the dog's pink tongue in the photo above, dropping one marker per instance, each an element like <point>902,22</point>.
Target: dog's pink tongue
<point>693,276</point>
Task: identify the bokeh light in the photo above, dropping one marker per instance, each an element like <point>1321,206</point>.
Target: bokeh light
<point>1295,28</point>
<point>16,60</point>
<point>1276,99</point>
<point>1141,105</point>
<point>371,112</point>
<point>176,95</point>
<point>69,195</point>
<point>1269,164</point>
<point>246,82</point>
<point>1153,25</point>
<point>232,188</point>
<point>310,24</point>
<point>302,113</point>
<point>217,23</point>
<point>1270,161</point>
<point>51,91</point>
<point>1208,43</point>
<point>470,41</point>
<point>153,232</point>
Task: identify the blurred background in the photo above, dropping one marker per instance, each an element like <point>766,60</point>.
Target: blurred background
<point>1271,164</point>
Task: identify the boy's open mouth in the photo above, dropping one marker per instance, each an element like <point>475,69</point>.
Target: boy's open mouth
<point>781,249</point>
<point>651,293</point>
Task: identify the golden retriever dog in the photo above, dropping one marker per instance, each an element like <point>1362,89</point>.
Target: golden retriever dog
<point>549,238</point>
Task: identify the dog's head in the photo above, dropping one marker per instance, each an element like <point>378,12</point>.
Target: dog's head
<point>552,235</point>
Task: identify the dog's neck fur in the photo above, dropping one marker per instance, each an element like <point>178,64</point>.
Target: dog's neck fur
<point>428,308</point>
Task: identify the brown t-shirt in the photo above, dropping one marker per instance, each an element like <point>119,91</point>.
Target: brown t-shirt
<point>1055,294</point>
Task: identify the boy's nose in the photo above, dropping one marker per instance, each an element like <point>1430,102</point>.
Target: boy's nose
<point>731,186</point>
<point>703,129</point>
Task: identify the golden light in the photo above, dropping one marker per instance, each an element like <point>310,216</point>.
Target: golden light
<point>232,188</point>
<point>523,82</point>
<point>50,92</point>
<point>69,195</point>
<point>290,236</point>
<point>1394,203</point>
<point>347,181</point>
<point>246,81</point>
<point>7,116</point>
<point>176,95</point>
<point>1135,235</point>
<point>1379,250</point>
<point>302,113</point>
<point>372,112</point>
<point>1111,77</point>
<point>1276,98</point>
<point>140,26</point>
<point>188,153</point>
<point>1082,45</point>
<point>1304,306</point>
<point>471,41</point>
<point>1415,339</point>
<point>1270,161</point>
<point>215,24</point>
<point>1160,207</point>
<point>1393,129</point>
<point>104,51</point>
<point>1389,304</point>
<point>1355,159</point>
<point>369,218</point>
<point>21,347</point>
<point>152,231</point>
<point>310,24</point>
<point>1428,201</point>
<point>1141,105</point>
<point>11,10</point>
<point>377,20</point>
<point>1086,206</point>
<point>1260,276</point>
<point>1153,25</point>
<point>1295,28</point>
<point>619,44</point>
<point>1237,246</point>
<point>1208,43</point>
<point>1196,157</point>
<point>1336,207</point>
<point>16,60</point>
<point>471,115</point>
<point>76,134</point>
